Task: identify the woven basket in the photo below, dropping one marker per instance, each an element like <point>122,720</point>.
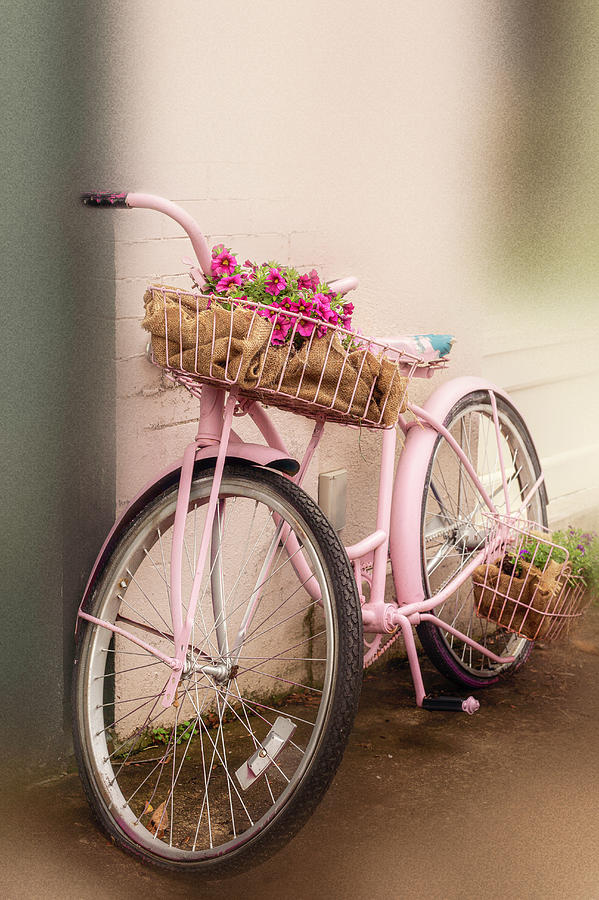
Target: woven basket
<point>538,603</point>
<point>334,373</point>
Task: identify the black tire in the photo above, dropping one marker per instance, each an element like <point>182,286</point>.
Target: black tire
<point>327,712</point>
<point>443,527</point>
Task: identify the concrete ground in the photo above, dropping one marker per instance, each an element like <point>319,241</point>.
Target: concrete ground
<point>425,805</point>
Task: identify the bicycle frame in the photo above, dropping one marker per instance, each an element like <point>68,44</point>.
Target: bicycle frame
<point>397,529</point>
<point>393,535</point>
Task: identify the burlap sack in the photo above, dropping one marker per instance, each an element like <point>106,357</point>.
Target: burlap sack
<point>205,340</point>
<point>322,372</point>
<point>209,341</point>
<point>523,605</point>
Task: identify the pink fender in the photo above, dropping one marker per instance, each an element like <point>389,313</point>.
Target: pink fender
<point>257,454</point>
<point>406,510</point>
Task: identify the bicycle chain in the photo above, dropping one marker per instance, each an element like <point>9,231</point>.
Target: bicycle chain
<point>383,649</point>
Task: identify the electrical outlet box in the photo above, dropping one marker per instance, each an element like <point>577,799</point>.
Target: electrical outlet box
<point>332,496</point>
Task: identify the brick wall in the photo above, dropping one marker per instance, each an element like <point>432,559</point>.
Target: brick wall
<point>379,146</point>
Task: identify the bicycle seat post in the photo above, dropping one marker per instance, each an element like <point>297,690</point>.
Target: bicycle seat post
<point>212,406</point>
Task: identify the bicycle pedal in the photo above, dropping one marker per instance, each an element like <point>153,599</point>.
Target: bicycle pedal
<point>451,704</point>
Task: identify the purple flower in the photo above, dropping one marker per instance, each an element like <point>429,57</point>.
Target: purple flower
<point>304,305</point>
<point>275,283</point>
<point>225,283</point>
<point>325,312</point>
<point>304,283</point>
<point>223,263</point>
<point>282,329</point>
<point>348,310</point>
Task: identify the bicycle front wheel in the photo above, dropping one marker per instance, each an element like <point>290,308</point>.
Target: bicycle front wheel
<point>454,529</point>
<point>235,766</point>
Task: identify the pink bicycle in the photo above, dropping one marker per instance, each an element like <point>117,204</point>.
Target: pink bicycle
<point>224,627</point>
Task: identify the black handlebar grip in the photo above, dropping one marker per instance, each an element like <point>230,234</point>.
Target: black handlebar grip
<point>105,198</point>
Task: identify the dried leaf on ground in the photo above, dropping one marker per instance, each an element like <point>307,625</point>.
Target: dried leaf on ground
<point>159,821</point>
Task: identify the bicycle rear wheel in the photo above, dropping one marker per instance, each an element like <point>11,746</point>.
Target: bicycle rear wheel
<point>454,529</point>
<point>234,768</point>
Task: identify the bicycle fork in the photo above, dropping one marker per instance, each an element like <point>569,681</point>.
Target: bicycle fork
<point>214,428</point>
<point>208,432</point>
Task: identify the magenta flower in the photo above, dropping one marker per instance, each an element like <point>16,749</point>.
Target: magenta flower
<point>314,277</point>
<point>275,283</point>
<point>323,305</point>
<point>348,309</point>
<point>304,283</point>
<point>282,329</point>
<point>329,315</point>
<point>265,313</point>
<point>324,312</point>
<point>305,328</point>
<point>307,306</point>
<point>228,281</point>
<point>224,263</point>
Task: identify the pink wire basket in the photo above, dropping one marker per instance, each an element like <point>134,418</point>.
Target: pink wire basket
<point>527,586</point>
<point>320,371</point>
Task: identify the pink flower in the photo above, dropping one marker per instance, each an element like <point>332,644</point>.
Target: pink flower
<point>323,306</point>
<point>305,328</point>
<point>329,315</point>
<point>307,306</point>
<point>275,283</point>
<point>315,279</point>
<point>324,312</point>
<point>304,283</point>
<point>282,329</point>
<point>348,309</point>
<point>279,335</point>
<point>217,250</point>
<point>224,263</point>
<point>228,281</point>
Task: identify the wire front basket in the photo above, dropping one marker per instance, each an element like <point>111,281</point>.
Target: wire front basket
<point>527,586</point>
<point>278,357</point>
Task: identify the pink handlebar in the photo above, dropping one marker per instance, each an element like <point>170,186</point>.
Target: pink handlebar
<point>187,223</point>
<point>343,285</point>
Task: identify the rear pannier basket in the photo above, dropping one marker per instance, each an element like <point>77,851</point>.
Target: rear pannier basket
<point>333,374</point>
<point>524,588</point>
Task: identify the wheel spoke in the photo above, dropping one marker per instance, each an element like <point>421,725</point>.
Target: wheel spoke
<point>455,528</point>
<point>186,800</point>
